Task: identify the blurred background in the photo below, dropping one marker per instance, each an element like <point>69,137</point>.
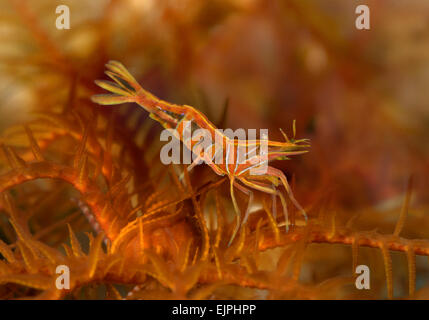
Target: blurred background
<point>360,96</point>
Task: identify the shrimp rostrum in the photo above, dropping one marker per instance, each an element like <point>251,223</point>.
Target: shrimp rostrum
<point>244,161</point>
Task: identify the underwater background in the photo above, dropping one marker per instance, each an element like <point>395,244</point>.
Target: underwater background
<point>82,185</point>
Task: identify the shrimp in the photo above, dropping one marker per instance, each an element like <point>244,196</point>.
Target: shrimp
<point>250,173</point>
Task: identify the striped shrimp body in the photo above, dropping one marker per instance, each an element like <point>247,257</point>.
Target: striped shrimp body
<point>245,162</point>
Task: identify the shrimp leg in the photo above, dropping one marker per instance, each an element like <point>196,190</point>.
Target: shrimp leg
<point>279,174</point>
<point>270,190</point>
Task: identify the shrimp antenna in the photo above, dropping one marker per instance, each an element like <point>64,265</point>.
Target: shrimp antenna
<point>284,135</point>
<point>294,129</point>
